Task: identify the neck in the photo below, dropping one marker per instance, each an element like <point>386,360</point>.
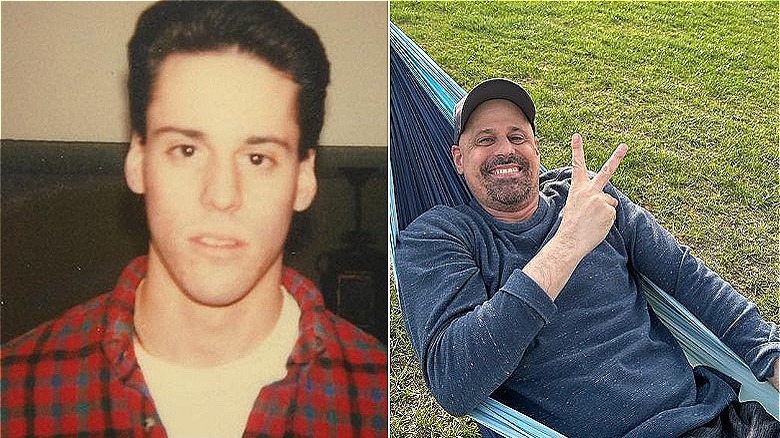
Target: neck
<point>173,327</point>
<point>523,214</point>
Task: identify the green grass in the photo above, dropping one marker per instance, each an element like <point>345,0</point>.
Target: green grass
<point>692,88</point>
<point>413,411</point>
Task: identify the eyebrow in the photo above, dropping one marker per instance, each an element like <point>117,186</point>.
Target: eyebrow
<point>255,139</point>
<point>485,131</point>
<point>191,133</point>
<point>200,136</point>
<point>494,131</point>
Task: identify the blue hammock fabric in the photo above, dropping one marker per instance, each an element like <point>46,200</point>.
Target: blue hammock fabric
<point>420,165</point>
<point>422,175</point>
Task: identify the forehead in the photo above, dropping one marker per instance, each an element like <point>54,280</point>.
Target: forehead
<point>224,90</point>
<point>497,114</point>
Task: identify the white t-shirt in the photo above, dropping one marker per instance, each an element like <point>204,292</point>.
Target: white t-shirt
<point>216,401</point>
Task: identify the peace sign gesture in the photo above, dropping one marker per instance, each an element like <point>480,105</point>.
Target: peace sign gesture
<point>580,172</point>
<point>589,212</point>
<point>587,217</point>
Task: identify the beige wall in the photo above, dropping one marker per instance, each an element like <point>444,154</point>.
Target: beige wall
<point>64,69</point>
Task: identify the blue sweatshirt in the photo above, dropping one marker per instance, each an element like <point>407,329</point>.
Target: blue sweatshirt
<point>596,362</point>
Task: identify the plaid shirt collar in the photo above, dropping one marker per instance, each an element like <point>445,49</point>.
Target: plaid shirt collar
<point>117,330</point>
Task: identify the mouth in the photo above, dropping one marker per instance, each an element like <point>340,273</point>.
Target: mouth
<point>505,171</point>
<point>215,241</point>
<point>508,169</point>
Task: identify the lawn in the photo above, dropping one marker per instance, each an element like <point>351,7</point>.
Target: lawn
<point>692,88</point>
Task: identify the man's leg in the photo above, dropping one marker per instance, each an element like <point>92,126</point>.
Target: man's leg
<point>739,420</point>
<point>487,433</point>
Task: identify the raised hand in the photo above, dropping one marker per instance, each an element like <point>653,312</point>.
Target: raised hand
<point>587,217</point>
<point>589,212</point>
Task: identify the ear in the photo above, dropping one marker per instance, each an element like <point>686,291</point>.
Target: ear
<point>307,182</point>
<point>134,165</point>
<point>457,157</point>
<point>536,145</point>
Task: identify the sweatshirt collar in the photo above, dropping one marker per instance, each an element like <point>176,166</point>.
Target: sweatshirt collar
<point>527,224</point>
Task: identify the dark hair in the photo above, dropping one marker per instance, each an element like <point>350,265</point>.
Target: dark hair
<point>264,29</point>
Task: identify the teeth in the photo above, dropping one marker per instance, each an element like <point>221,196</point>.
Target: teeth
<point>211,241</point>
<point>506,170</point>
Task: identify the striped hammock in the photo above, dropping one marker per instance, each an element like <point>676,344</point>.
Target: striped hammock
<point>422,175</point>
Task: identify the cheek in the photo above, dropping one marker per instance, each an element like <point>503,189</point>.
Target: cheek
<point>266,216</point>
<point>268,200</point>
<point>170,199</point>
<point>166,217</point>
<point>474,163</point>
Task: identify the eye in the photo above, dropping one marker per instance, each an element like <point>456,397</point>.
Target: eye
<point>485,141</point>
<point>517,139</point>
<point>257,159</point>
<point>184,150</point>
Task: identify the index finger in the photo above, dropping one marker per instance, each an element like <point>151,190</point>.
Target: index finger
<point>610,166</point>
<point>579,170</point>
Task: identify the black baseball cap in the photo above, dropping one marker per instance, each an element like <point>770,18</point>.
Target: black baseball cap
<point>492,89</point>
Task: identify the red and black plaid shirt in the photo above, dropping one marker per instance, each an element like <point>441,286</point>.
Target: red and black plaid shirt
<point>78,375</point>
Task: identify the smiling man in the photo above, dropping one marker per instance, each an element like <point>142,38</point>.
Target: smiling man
<point>526,294</point>
<point>210,334</point>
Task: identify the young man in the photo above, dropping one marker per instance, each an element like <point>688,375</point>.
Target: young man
<point>210,334</point>
<point>526,293</point>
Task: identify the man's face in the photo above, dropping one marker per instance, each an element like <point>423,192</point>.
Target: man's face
<point>221,174</point>
<point>497,154</point>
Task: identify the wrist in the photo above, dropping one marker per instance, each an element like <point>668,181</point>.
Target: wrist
<point>564,247</point>
<point>553,265</point>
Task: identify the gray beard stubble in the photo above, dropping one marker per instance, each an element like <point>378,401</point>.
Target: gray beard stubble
<point>507,194</point>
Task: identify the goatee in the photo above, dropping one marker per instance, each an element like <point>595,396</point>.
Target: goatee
<point>507,194</point>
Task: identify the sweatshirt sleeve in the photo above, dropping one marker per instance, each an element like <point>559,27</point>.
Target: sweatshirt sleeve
<point>729,315</point>
<point>468,344</point>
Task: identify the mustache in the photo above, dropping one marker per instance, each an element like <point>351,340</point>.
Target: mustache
<point>501,160</point>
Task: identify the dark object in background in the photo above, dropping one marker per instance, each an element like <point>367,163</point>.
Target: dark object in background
<point>69,226</point>
<point>353,278</point>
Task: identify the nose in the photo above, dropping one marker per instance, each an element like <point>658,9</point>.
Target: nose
<point>222,187</point>
<point>504,146</point>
